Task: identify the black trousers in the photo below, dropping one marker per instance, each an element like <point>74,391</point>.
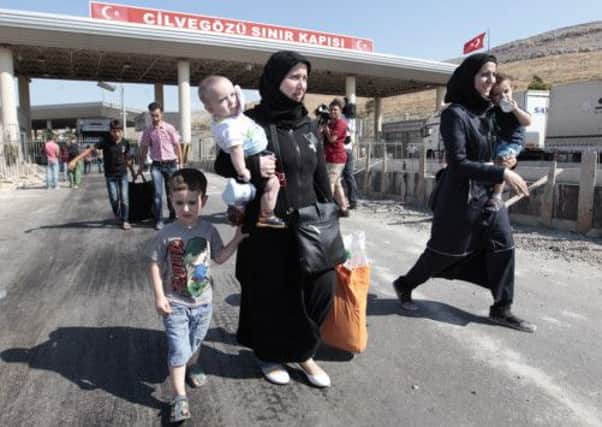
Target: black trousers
<point>492,270</point>
<point>491,265</point>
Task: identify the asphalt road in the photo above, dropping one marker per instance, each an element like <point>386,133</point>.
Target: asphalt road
<point>81,344</point>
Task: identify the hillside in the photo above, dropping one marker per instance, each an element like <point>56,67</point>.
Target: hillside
<point>559,56</point>
<point>582,38</point>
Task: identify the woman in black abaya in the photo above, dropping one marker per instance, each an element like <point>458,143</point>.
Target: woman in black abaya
<point>465,243</point>
<point>281,308</point>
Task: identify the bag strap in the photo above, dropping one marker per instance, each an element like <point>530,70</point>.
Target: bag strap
<point>276,147</point>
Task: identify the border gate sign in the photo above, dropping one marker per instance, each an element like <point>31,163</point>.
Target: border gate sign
<point>209,24</point>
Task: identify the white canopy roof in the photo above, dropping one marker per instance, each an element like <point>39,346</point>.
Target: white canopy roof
<point>80,48</point>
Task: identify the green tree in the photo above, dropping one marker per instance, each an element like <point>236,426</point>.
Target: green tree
<point>537,83</point>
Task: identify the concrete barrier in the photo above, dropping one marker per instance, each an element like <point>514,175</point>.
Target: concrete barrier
<point>566,206</point>
<point>561,205</point>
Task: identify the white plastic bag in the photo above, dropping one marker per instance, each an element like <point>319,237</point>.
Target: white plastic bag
<point>355,245</point>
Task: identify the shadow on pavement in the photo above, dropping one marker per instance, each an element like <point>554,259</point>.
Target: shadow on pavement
<point>433,310</point>
<point>101,358</point>
<point>411,221</point>
<point>217,218</point>
<point>37,187</point>
<point>102,223</point>
<point>220,335</point>
<point>332,354</point>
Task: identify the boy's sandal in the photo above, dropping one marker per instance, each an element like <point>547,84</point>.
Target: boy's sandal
<point>196,376</point>
<point>179,409</point>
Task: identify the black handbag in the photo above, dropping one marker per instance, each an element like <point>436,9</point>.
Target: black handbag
<point>316,230</point>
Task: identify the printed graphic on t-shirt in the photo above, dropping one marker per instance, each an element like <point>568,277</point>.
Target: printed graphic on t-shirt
<point>189,266</point>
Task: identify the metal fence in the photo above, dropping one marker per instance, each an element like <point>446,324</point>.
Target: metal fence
<point>11,153</point>
<point>391,157</point>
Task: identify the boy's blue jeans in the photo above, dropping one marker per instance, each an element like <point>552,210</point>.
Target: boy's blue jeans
<point>119,196</point>
<point>185,328</point>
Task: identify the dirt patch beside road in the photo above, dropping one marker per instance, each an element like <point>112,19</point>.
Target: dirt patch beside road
<point>545,243</point>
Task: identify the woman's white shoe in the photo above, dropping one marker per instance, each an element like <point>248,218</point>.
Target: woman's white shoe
<point>274,372</point>
<point>319,379</point>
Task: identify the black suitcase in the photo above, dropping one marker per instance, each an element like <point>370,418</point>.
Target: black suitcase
<point>141,196</point>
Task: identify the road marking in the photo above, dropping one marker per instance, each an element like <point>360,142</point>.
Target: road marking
<point>554,321</point>
<point>573,315</point>
<point>491,351</point>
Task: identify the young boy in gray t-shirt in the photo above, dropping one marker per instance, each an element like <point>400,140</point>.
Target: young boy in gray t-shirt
<point>179,265</point>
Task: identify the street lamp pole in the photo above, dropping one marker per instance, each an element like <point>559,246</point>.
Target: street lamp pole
<point>112,88</point>
<point>123,113</point>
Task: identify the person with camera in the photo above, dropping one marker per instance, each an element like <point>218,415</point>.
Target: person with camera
<point>334,148</point>
<point>282,308</point>
<point>322,117</point>
<point>348,178</point>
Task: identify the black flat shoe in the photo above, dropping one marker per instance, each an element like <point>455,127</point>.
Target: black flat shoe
<point>404,295</point>
<point>511,321</point>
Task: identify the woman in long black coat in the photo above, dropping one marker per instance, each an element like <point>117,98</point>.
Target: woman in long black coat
<point>468,242</point>
<point>281,308</point>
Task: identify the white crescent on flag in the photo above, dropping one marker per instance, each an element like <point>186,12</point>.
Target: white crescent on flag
<point>108,13</point>
<point>475,43</point>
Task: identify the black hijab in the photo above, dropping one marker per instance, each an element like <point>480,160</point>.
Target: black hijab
<point>275,107</point>
<point>460,87</point>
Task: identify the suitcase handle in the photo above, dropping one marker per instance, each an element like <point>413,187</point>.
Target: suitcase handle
<point>135,177</point>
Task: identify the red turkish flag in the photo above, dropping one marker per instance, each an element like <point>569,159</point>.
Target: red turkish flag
<point>108,12</point>
<point>474,44</point>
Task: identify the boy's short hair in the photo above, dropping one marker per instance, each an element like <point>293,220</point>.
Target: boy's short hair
<point>206,84</point>
<point>188,179</point>
<point>336,102</point>
<point>155,105</point>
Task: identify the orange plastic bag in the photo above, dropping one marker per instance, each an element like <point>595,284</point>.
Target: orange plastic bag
<point>345,326</point>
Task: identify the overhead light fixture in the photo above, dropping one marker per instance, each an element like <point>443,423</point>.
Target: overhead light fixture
<point>126,65</point>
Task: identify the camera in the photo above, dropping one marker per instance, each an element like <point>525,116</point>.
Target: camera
<point>322,113</point>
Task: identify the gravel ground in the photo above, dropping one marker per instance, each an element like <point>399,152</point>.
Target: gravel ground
<point>546,243</point>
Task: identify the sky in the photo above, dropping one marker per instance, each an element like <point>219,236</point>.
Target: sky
<point>426,29</point>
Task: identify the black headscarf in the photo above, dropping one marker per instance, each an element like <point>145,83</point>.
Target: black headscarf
<point>460,87</point>
<point>276,107</point>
